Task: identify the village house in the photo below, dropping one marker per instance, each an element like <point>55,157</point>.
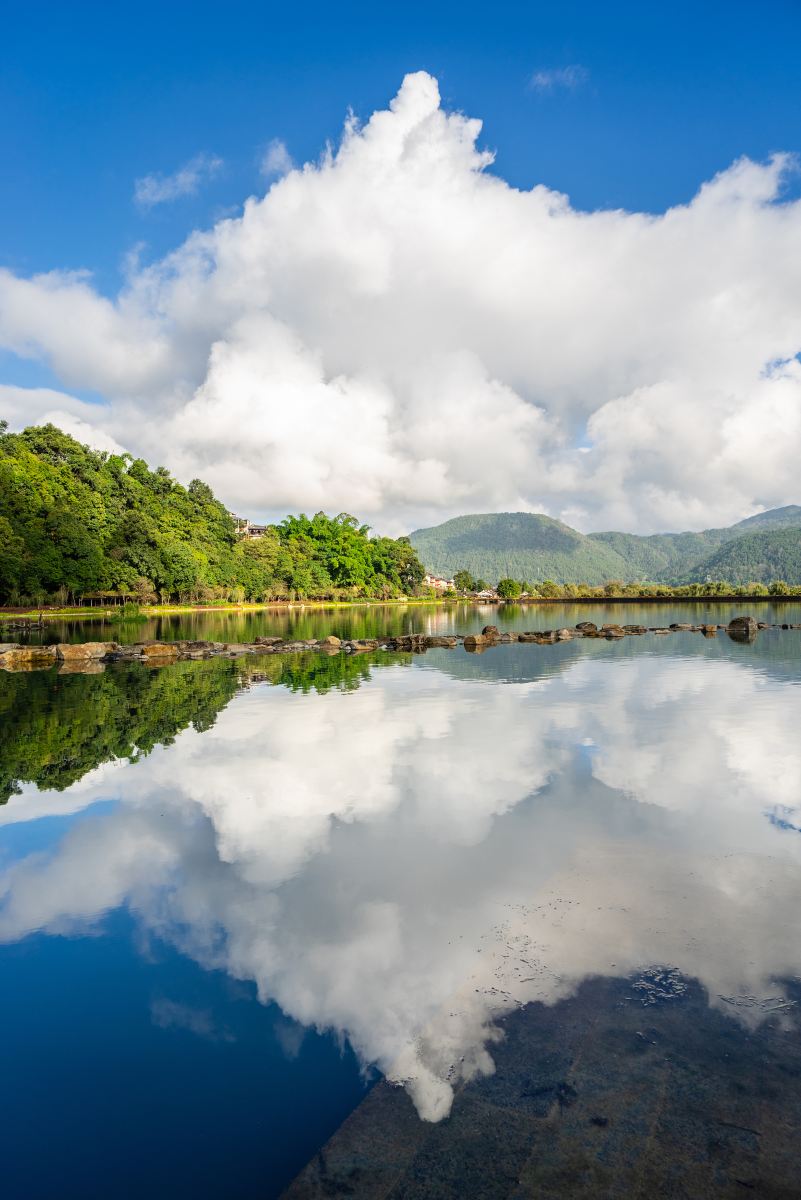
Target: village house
<point>438,584</point>
<point>246,529</point>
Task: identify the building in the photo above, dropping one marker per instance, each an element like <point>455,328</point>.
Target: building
<point>438,584</point>
<point>246,529</point>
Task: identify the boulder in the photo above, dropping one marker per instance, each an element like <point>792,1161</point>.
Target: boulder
<point>681,628</point>
<point>76,652</point>
<point>437,640</point>
<point>157,649</point>
<point>613,631</point>
<point>587,627</point>
<point>475,641</point>
<point>328,643</point>
<point>742,629</point>
<point>490,631</point>
<point>565,635</point>
<point>28,658</point>
<point>274,641</point>
<point>528,637</point>
<point>637,630</point>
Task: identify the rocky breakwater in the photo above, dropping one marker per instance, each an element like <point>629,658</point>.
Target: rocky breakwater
<point>92,657</point>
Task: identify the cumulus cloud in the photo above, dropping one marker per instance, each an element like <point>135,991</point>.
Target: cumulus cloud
<point>406,888</point>
<point>276,159</point>
<point>394,330</point>
<point>41,406</point>
<point>546,79</point>
<point>150,190</point>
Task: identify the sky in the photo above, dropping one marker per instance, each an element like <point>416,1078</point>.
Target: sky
<point>412,261</point>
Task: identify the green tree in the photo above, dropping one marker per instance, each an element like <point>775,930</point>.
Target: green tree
<point>464,582</point>
<point>509,589</point>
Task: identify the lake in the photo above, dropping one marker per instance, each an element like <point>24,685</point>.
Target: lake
<point>514,924</point>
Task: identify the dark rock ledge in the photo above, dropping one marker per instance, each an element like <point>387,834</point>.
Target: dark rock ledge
<point>92,656</point>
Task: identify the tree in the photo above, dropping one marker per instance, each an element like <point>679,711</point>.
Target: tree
<point>509,589</point>
<point>549,590</point>
<point>464,582</point>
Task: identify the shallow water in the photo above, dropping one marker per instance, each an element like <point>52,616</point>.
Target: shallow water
<point>386,620</point>
<point>236,892</point>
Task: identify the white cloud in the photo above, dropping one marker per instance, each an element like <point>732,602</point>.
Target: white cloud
<point>547,79</point>
<point>397,332</point>
<point>276,159</point>
<point>22,406</point>
<point>161,189</point>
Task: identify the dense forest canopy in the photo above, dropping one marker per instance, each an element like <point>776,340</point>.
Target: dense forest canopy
<point>530,546</point>
<point>76,522</point>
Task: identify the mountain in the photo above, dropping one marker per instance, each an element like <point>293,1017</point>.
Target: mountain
<point>764,555</point>
<point>525,546</point>
<point>534,547</point>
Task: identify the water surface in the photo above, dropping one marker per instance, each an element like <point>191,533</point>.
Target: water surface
<point>236,892</point>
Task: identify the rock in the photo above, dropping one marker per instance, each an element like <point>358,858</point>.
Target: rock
<point>28,658</point>
<point>475,641</point>
<point>528,637</point>
<point>681,628</point>
<point>613,631</point>
<point>637,630</point>
<point>275,641</point>
<point>447,642</point>
<point>332,642</point>
<point>75,652</point>
<point>765,625</point>
<point>157,649</point>
<point>546,636</point>
<point>490,631</point>
<point>361,645</point>
<point>565,635</point>
<point>587,627</point>
<point>742,629</point>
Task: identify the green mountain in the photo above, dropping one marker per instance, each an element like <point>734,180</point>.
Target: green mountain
<point>534,547</point>
<point>764,555</point>
<point>518,545</point>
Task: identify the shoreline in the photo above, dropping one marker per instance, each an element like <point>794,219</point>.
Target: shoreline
<point>37,616</point>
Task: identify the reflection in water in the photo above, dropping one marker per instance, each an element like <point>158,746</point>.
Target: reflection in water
<point>408,861</point>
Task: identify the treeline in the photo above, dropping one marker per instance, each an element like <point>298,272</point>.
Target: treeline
<point>77,523</point>
<point>515,589</point>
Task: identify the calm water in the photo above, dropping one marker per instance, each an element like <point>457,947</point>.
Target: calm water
<point>392,619</point>
<point>234,894</point>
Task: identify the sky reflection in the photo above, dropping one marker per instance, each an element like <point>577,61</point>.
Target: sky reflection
<point>405,862</point>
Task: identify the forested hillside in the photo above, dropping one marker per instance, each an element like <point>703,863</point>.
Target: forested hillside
<point>519,545</point>
<point>764,555</point>
<point>533,547</point>
<point>76,522</point>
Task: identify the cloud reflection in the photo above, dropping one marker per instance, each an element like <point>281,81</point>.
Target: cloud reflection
<point>406,862</point>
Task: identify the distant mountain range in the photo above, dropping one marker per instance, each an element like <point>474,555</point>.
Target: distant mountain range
<point>533,547</point>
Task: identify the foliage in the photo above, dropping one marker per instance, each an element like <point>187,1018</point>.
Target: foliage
<point>77,522</point>
<point>509,589</point>
<point>527,546</point>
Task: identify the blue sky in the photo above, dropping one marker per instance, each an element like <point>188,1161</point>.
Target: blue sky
<point>409,285</point>
<point>95,95</point>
